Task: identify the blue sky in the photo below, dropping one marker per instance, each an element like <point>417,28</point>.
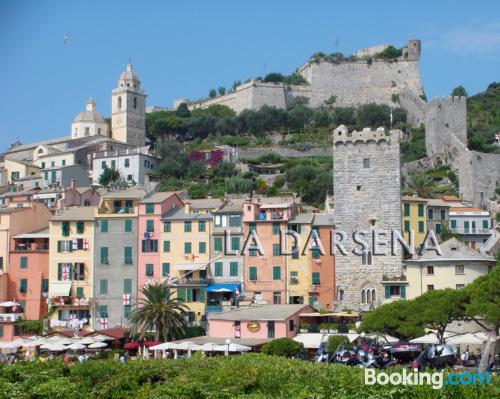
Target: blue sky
<point>183,49</point>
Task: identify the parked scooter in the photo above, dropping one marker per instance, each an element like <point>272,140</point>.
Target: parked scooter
<point>436,356</point>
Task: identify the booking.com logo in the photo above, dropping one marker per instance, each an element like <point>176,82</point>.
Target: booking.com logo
<point>437,379</point>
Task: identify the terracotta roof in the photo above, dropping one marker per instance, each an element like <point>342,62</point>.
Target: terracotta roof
<point>158,197</point>
<point>464,209</point>
<point>116,332</point>
<point>450,198</point>
<point>76,213</point>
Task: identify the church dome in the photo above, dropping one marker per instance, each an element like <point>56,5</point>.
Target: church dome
<point>90,114</point>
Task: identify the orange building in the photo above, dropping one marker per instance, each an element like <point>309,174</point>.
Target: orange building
<point>28,277</point>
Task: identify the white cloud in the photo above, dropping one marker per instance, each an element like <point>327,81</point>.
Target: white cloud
<point>470,40</point>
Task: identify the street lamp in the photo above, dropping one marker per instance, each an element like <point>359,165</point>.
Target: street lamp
<point>228,342</point>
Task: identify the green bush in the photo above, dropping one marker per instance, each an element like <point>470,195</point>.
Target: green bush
<point>285,347</point>
<point>247,376</point>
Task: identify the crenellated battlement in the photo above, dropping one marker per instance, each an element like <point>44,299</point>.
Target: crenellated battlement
<point>341,135</point>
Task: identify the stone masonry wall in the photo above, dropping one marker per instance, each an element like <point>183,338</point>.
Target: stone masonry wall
<point>363,195</point>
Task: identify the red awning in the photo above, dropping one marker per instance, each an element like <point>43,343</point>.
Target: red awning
<point>131,345</point>
<point>151,343</point>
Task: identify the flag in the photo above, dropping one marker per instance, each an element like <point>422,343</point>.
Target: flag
<point>66,273</point>
<point>74,244</point>
<point>126,299</point>
<point>104,323</point>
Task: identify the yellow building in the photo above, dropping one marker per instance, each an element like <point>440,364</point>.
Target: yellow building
<point>185,253</point>
<point>457,267</point>
<point>17,169</point>
<point>71,267</point>
<point>414,219</point>
<point>299,273</point>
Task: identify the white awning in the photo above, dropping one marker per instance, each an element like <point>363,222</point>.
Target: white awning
<point>59,289</point>
<point>190,266</point>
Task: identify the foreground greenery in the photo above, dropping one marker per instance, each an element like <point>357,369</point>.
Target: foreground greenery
<point>245,376</point>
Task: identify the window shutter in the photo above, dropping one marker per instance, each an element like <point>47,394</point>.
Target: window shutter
<point>127,286</point>
<point>58,246</point>
<point>202,295</point>
<point>59,271</point>
<point>403,291</point>
<point>189,295</point>
<point>181,293</point>
<point>387,292</point>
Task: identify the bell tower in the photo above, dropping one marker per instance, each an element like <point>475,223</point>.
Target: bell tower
<point>128,108</point>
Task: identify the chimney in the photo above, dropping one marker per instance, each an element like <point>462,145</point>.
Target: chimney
<point>187,207</point>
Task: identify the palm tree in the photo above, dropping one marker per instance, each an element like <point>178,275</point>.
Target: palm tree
<point>421,185</point>
<point>159,310</point>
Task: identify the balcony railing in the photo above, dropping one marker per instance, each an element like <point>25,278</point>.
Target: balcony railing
<point>71,301</point>
<point>193,281</point>
<point>470,230</point>
<point>115,210</point>
<point>10,317</point>
<point>31,248</point>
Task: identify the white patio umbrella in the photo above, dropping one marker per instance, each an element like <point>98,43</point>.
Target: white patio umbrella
<point>429,338</point>
<point>76,346</point>
<point>184,346</point>
<point>232,348</point>
<point>101,337</point>
<point>55,347</point>
<point>481,335</point>
<point>163,346</point>
<point>98,345</point>
<point>208,347</point>
<point>465,339</point>
<point>64,341</point>
<point>54,338</point>
<point>9,304</point>
<point>87,341</point>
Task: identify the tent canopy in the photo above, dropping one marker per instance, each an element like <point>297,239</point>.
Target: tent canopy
<point>224,288</point>
<point>465,339</point>
<point>60,289</point>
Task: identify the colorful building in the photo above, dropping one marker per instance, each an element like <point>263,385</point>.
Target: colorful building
<point>414,219</point>
<point>266,273</point>
<point>186,240</point>
<point>265,321</point>
<point>457,267</point>
<point>474,225</point>
<point>149,233</point>
<point>115,257</point>
<point>28,277</point>
<point>438,215</point>
<point>71,267</point>
<point>226,270</point>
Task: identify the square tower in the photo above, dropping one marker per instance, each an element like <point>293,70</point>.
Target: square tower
<point>367,190</point>
<point>128,110</point>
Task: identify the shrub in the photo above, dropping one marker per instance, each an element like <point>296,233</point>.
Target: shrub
<point>285,347</point>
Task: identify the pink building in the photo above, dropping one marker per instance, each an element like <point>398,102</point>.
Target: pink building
<point>150,227</point>
<point>265,275</point>
<point>264,321</point>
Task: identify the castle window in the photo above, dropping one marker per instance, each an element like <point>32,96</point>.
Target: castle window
<point>363,296</point>
<point>99,130</point>
<point>358,188</point>
<point>135,102</point>
<point>366,163</point>
<point>119,102</point>
<point>87,131</point>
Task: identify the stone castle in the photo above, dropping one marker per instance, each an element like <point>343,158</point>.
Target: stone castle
<point>364,79</point>
<point>366,179</point>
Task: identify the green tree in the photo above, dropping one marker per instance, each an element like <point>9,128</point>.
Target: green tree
<point>389,53</point>
<point>459,91</point>
<point>236,83</point>
<point>159,309</point>
<point>395,318</point>
<point>420,185</point>
<point>196,170</point>
<point>174,160</point>
<point>436,309</point>
<point>108,176</point>
<point>374,115</point>
<point>225,169</point>
<point>183,111</point>
<point>484,299</point>
<point>285,347</point>
<point>212,93</point>
<point>274,77</point>
<point>221,90</point>
<point>477,143</point>
<point>239,184</point>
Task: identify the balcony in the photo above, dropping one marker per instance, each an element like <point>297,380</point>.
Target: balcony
<point>116,210</point>
<point>193,281</point>
<point>71,302</point>
<point>10,317</point>
<point>462,230</point>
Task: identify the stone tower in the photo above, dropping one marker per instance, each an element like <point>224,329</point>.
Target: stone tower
<point>128,107</point>
<point>367,190</point>
<point>413,50</point>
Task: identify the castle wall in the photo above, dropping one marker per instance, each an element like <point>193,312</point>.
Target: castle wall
<point>355,83</point>
<point>444,117</point>
<point>364,194</point>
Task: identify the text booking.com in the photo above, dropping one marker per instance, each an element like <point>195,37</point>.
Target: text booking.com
<point>436,379</point>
